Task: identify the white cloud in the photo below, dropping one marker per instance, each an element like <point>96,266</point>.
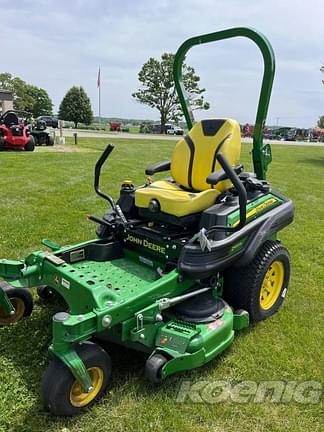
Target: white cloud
<point>56,44</point>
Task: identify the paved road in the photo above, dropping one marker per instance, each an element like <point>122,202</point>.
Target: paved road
<point>90,134</point>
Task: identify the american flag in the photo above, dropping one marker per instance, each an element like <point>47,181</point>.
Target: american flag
<point>98,79</point>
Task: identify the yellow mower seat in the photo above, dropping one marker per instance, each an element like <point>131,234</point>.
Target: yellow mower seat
<point>193,159</point>
<point>174,200</point>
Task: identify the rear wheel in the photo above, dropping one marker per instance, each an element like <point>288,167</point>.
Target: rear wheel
<point>22,301</point>
<point>2,144</point>
<point>49,141</point>
<point>30,146</point>
<point>261,286</point>
<point>62,393</point>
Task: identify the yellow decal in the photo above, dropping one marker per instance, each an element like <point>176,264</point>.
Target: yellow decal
<point>258,209</point>
<point>145,243</point>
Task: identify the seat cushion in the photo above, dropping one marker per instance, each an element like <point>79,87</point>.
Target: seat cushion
<point>174,200</point>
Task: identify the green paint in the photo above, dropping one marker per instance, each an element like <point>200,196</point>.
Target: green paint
<point>5,303</point>
<point>237,246</point>
<point>196,346</point>
<point>259,204</point>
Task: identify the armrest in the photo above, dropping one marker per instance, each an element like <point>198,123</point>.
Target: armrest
<point>158,167</point>
<point>216,177</point>
<point>221,175</point>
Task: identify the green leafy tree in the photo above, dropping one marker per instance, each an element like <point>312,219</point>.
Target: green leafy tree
<point>76,107</point>
<point>320,122</point>
<point>158,89</point>
<point>40,102</point>
<point>27,97</point>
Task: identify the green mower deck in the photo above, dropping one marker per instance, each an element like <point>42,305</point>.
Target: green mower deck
<point>122,300</point>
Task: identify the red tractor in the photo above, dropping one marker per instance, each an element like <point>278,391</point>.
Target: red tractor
<point>14,133</point>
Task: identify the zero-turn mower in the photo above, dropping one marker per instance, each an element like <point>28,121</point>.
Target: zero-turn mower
<point>14,133</point>
<point>179,266</point>
<point>38,130</point>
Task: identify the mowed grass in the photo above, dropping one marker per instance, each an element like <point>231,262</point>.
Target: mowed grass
<point>46,194</point>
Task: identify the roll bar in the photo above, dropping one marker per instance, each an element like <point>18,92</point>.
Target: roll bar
<point>261,153</point>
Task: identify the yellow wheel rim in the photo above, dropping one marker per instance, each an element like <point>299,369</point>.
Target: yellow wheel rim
<point>78,397</point>
<point>19,306</point>
<point>272,285</point>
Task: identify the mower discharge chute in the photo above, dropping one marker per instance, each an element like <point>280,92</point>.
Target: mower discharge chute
<point>179,264</point>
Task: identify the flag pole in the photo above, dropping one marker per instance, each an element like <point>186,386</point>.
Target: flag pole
<point>99,104</point>
<point>99,94</point>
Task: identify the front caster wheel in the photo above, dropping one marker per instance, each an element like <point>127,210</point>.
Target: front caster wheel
<point>45,292</point>
<point>22,301</point>
<point>153,368</point>
<point>62,394</point>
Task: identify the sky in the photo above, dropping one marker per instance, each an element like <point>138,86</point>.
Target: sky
<point>57,44</point>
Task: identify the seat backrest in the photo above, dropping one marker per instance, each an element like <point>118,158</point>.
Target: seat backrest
<point>10,119</point>
<point>194,156</point>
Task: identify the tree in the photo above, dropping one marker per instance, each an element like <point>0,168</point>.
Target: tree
<point>320,122</point>
<point>76,107</point>
<point>158,88</point>
<point>27,97</point>
<point>40,102</point>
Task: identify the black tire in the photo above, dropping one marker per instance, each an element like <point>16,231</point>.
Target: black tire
<point>153,367</point>
<point>2,144</point>
<point>49,141</point>
<point>22,301</point>
<point>46,293</point>
<point>242,286</point>
<point>58,381</point>
<point>30,146</point>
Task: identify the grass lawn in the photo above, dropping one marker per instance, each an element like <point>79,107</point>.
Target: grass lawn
<point>46,195</point>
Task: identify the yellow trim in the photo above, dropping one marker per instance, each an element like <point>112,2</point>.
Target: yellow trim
<point>78,397</point>
<point>19,306</point>
<point>253,212</point>
<point>272,285</point>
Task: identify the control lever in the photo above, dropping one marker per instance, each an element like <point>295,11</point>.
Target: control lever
<point>98,166</point>
<point>232,175</point>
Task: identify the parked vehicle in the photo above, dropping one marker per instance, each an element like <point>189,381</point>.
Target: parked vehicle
<point>40,133</point>
<point>115,126</point>
<point>175,130</point>
<point>14,133</point>
<point>49,120</point>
